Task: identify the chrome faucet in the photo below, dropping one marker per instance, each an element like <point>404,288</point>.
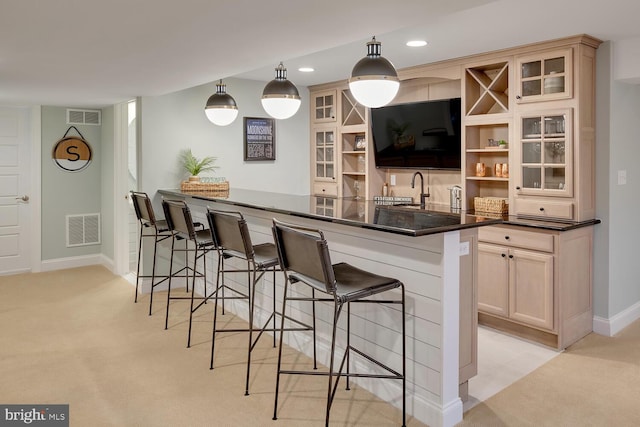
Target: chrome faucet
<point>423,196</point>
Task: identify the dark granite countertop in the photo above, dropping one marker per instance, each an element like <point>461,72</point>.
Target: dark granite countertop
<point>408,220</point>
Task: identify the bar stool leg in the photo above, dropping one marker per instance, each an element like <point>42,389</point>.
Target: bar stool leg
<point>313,313</point>
<point>404,363</point>
<point>274,307</point>
<point>186,264</point>
<point>215,311</point>
<point>336,314</point>
<point>166,316</point>
<point>193,291</point>
<point>282,318</point>
<point>153,269</point>
<point>251,280</point>
<point>348,341</point>
<point>135,300</point>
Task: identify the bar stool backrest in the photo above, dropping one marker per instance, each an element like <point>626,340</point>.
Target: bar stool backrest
<point>229,231</point>
<point>304,255</point>
<point>178,217</point>
<point>144,209</point>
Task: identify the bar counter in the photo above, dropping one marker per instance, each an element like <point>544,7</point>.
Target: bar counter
<point>433,251</point>
<point>402,218</point>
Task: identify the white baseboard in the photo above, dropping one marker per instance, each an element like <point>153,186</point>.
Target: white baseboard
<point>72,262</point>
<point>616,323</point>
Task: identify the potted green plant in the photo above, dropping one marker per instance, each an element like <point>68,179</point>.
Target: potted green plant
<point>195,166</point>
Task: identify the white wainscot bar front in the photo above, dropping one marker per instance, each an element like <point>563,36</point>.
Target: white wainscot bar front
<point>428,265</point>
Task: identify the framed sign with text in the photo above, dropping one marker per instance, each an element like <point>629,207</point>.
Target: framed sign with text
<point>259,139</point>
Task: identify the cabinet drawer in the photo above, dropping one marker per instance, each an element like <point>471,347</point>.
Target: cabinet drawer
<point>544,208</point>
<point>325,189</point>
<point>516,237</point>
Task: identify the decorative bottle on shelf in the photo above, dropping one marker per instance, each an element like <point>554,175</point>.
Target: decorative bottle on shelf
<point>385,190</point>
<point>361,163</point>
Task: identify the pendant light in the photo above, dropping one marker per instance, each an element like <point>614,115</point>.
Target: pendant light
<point>374,81</point>
<point>280,97</point>
<point>221,108</point>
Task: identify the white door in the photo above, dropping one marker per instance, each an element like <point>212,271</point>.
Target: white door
<point>15,212</point>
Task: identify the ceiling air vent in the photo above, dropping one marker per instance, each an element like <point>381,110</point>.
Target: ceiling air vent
<point>83,230</point>
<point>84,117</point>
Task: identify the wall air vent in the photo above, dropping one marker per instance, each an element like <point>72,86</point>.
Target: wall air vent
<point>83,230</point>
<point>84,117</point>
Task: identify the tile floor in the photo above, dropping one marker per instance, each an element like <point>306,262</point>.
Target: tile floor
<point>502,360</point>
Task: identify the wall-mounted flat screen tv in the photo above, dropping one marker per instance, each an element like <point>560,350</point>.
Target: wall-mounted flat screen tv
<point>418,135</point>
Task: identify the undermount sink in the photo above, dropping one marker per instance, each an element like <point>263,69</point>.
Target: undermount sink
<point>411,215</point>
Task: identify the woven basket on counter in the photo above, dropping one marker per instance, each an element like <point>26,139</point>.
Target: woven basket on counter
<point>197,186</point>
<point>491,205</point>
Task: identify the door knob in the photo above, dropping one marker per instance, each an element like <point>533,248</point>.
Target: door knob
<point>24,198</point>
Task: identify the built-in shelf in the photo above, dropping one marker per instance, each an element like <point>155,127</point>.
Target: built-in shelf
<point>487,89</point>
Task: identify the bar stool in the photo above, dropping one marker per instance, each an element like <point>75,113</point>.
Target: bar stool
<point>147,219</point>
<point>232,239</point>
<point>304,257</point>
<point>179,220</point>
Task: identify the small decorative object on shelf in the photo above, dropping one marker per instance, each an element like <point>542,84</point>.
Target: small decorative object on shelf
<point>503,144</point>
<point>480,169</point>
<point>497,170</point>
<point>505,170</point>
<point>360,142</point>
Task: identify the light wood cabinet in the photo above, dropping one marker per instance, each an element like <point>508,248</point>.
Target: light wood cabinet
<point>536,283</point>
<point>515,274</point>
<point>493,279</point>
<point>324,106</point>
<point>323,160</point>
<point>545,76</point>
<point>531,288</point>
<point>544,179</point>
<point>342,161</point>
<point>541,102</point>
<point>554,120</point>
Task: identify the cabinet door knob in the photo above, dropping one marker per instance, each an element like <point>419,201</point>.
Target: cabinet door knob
<point>541,209</point>
<point>510,256</point>
<point>504,255</point>
<point>518,97</point>
<point>518,187</point>
<point>506,237</point>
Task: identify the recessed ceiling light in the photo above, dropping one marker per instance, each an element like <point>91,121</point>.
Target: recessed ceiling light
<point>306,69</point>
<point>416,43</point>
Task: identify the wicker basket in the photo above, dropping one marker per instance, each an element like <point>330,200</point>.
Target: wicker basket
<point>493,205</point>
<point>195,186</point>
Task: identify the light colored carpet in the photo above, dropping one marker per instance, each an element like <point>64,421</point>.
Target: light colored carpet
<point>595,382</point>
<point>75,336</point>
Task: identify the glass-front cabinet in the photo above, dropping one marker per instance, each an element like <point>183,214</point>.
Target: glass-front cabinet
<point>324,106</point>
<point>545,76</point>
<point>545,155</point>
<point>325,206</point>
<point>324,160</point>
